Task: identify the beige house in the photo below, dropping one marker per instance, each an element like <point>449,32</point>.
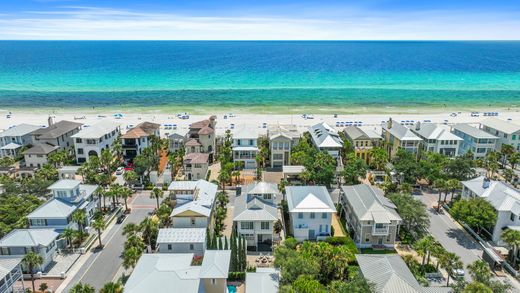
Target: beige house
<point>362,140</point>
<point>370,216</point>
<point>281,140</point>
<point>196,166</point>
<point>38,155</point>
<point>201,137</point>
<point>398,136</point>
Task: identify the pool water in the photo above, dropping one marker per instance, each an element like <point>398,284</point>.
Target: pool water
<point>232,289</point>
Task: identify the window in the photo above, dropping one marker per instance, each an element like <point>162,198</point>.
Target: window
<point>169,247</point>
<point>267,196</point>
<point>79,140</point>
<point>91,141</point>
<point>249,236</point>
<point>192,247</point>
<point>512,217</point>
<point>61,193</point>
<point>379,225</point>
<point>264,225</point>
<point>323,215</point>
<point>192,220</point>
<point>38,222</point>
<point>213,281</point>
<point>251,142</point>
<point>246,225</point>
<point>300,215</point>
<point>313,215</point>
<point>5,251</point>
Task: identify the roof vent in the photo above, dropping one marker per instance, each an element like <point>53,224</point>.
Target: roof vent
<point>418,126</point>
<point>389,123</point>
<point>485,183</point>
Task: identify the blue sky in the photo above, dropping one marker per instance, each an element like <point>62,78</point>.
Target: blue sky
<point>264,20</point>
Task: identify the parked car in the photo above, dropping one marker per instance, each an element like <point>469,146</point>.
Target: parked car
<point>120,171</point>
<point>121,218</point>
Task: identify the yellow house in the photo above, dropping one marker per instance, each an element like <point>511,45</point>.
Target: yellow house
<point>362,140</point>
<point>398,136</point>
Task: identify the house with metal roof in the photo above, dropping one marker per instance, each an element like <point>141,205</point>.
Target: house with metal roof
<point>255,213</point>
<point>13,139</point>
<point>264,280</point>
<point>182,240</point>
<point>282,138</point>
<point>370,216</point>
<point>10,274</point>
<point>310,211</point>
<point>326,138</point>
<point>474,140</point>
<point>57,134</point>
<point>163,272</point>
<point>19,242</point>
<point>195,203</point>
<point>502,196</point>
<point>398,136</point>
<point>38,155</point>
<point>138,138</point>
<point>390,274</point>
<point>92,140</point>
<point>437,139</point>
<point>245,145</point>
<point>176,141</point>
<point>68,195</point>
<point>507,132</point>
<point>362,140</point>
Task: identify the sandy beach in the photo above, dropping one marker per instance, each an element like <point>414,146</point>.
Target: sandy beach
<point>130,119</point>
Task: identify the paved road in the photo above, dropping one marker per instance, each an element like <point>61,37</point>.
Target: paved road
<point>102,266</point>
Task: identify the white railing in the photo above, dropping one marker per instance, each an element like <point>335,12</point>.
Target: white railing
<point>380,231</point>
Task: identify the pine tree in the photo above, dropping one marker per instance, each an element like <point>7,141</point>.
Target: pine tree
<point>220,246</point>
<point>226,246</point>
<point>214,241</point>
<point>208,239</point>
<point>244,254</point>
<point>233,265</point>
<point>240,253</point>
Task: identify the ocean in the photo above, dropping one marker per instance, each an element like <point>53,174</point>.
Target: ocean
<point>260,76</point>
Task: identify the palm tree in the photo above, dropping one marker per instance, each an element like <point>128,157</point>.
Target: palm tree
<point>130,257</point>
<point>130,229</point>
<point>125,193</point>
<point>505,151</point>
<point>157,193</point>
<point>450,262</point>
<point>277,227</point>
<point>32,260</point>
<point>452,185</point>
<point>99,225</point>
<point>423,247</point>
<point>130,177</point>
<point>79,217</point>
<point>514,159</point>
<point>437,251</point>
<point>490,163</point>
<point>508,175</point>
<point>68,234</point>
<point>480,271</point>
<point>440,184</point>
<point>512,238</point>
<point>149,229</point>
<point>236,175</point>
<point>112,287</point>
<point>163,213</point>
<point>82,288</point>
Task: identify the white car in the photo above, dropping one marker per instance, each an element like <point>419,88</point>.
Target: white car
<point>120,171</point>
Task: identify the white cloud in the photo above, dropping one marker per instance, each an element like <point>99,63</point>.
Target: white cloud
<point>83,23</point>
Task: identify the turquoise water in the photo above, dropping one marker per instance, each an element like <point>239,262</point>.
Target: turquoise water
<point>259,76</point>
<point>232,289</point>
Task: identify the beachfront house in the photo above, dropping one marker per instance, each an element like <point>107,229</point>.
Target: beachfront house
<point>255,213</point>
<point>138,138</point>
<point>506,131</point>
<point>195,203</point>
<point>310,211</point>
<point>67,196</point>
<point>182,240</point>
<point>281,140</point>
<point>195,166</point>
<point>174,272</point>
<point>10,274</point>
<point>362,140</point>
<point>390,274</point>
<point>437,139</point>
<point>370,216</point>
<point>502,196</point>
<point>92,140</point>
<point>201,138</point>
<point>57,134</point>
<point>263,280</point>
<point>15,138</point>
<point>19,242</point>
<point>175,142</point>
<point>326,138</point>
<point>474,140</point>
<point>245,146</point>
<point>38,155</point>
<point>398,136</point>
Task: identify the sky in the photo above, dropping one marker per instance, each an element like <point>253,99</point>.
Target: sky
<point>260,20</point>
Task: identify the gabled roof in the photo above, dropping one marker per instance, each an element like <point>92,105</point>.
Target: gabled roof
<point>176,135</point>
<point>500,195</point>
<point>56,130</point>
<point>193,142</point>
<point>501,125</point>
<point>355,133</point>
<point>261,188</point>
<point>369,204</point>
<point>309,199</point>
<point>215,264</point>
<point>401,132</point>
<point>97,130</point>
<point>41,149</point>
<point>264,280</point>
<point>200,124</point>
<point>7,265</point>
<point>202,191</point>
<point>11,146</point>
<point>289,131</point>
<point>19,130</point>
<point>53,209</point>
<point>142,129</point>
<point>473,131</point>
<point>193,206</point>
<point>29,238</point>
<point>197,158</point>
<point>325,136</point>
<point>255,209</point>
<point>205,130</point>
<point>181,235</point>
<point>246,132</point>
<point>434,131</point>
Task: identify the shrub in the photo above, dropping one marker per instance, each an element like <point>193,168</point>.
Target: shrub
<point>291,243</point>
<point>236,276</point>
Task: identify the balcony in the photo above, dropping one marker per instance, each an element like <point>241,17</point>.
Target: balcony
<point>301,227</point>
<point>380,231</point>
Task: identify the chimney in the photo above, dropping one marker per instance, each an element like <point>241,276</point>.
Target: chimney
<point>389,123</point>
<point>485,183</point>
<point>418,125</point>
<point>50,121</point>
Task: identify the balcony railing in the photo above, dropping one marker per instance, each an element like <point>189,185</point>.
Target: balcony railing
<point>380,231</point>
<point>301,226</point>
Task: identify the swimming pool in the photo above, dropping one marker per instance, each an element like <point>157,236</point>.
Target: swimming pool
<point>232,289</point>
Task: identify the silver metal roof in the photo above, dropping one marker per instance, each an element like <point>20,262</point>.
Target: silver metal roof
<point>29,238</point>
<point>264,280</point>
<point>473,131</point>
<point>181,235</point>
<point>309,199</point>
<point>325,136</point>
<point>369,204</point>
<point>19,130</point>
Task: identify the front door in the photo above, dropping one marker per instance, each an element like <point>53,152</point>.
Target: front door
<point>380,241</point>
<point>311,234</point>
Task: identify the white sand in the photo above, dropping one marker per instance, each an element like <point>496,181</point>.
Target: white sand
<point>369,120</point>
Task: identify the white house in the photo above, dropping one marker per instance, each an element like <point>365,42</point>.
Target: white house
<point>20,241</point>
<point>507,132</point>
<point>437,139</point>
<point>282,138</point>
<point>263,280</point>
<point>13,139</point>
<point>195,203</point>
<point>90,141</point>
<point>326,138</point>
<point>503,197</point>
<point>245,146</point>
<point>310,210</point>
<point>475,140</point>
<point>255,213</point>
<point>182,240</point>
<point>38,155</point>
<point>10,274</point>
<point>138,138</point>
